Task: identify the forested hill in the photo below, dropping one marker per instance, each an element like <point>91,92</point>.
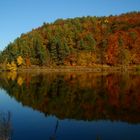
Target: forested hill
<point>84,41</point>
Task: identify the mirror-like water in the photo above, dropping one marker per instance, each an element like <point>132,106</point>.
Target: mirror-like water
<point>70,106</point>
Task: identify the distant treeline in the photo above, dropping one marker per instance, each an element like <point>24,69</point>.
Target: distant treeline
<point>84,41</point>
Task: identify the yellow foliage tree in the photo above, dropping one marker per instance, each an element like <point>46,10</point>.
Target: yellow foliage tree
<point>106,21</point>
<point>19,60</point>
<point>12,66</point>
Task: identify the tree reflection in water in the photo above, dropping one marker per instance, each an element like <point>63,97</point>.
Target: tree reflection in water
<point>79,96</point>
<point>5,126</point>
<point>53,136</point>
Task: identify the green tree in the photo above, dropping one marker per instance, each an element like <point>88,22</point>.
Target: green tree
<point>40,51</point>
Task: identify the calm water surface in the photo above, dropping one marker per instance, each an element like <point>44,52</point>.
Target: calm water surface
<point>70,106</point>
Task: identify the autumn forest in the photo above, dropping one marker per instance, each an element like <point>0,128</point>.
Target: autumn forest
<point>82,41</point>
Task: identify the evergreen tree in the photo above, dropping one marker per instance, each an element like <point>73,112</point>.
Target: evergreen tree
<point>40,51</point>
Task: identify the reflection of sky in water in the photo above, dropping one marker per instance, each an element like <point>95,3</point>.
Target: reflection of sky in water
<point>30,124</point>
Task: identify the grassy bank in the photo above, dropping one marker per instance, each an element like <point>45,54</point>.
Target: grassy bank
<point>96,68</point>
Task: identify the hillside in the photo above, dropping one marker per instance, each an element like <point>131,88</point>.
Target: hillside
<point>85,41</point>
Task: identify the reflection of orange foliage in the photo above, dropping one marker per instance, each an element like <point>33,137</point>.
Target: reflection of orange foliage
<point>113,90</point>
<point>83,96</point>
<point>20,81</point>
<point>28,79</point>
<point>73,79</point>
<point>12,75</point>
<point>87,109</point>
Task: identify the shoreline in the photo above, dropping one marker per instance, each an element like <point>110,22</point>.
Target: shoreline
<point>96,69</point>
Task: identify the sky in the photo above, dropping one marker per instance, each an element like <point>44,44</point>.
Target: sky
<point>21,16</point>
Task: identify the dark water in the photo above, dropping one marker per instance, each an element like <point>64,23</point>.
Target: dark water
<point>71,106</point>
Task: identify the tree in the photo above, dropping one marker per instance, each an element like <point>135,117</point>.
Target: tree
<point>108,40</point>
<point>103,48</point>
<point>19,60</point>
<point>40,51</point>
<point>12,66</point>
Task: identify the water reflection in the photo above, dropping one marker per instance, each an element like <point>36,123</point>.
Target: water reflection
<point>77,96</point>
<point>5,126</point>
<point>53,136</point>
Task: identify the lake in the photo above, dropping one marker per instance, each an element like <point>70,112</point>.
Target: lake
<point>70,106</point>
